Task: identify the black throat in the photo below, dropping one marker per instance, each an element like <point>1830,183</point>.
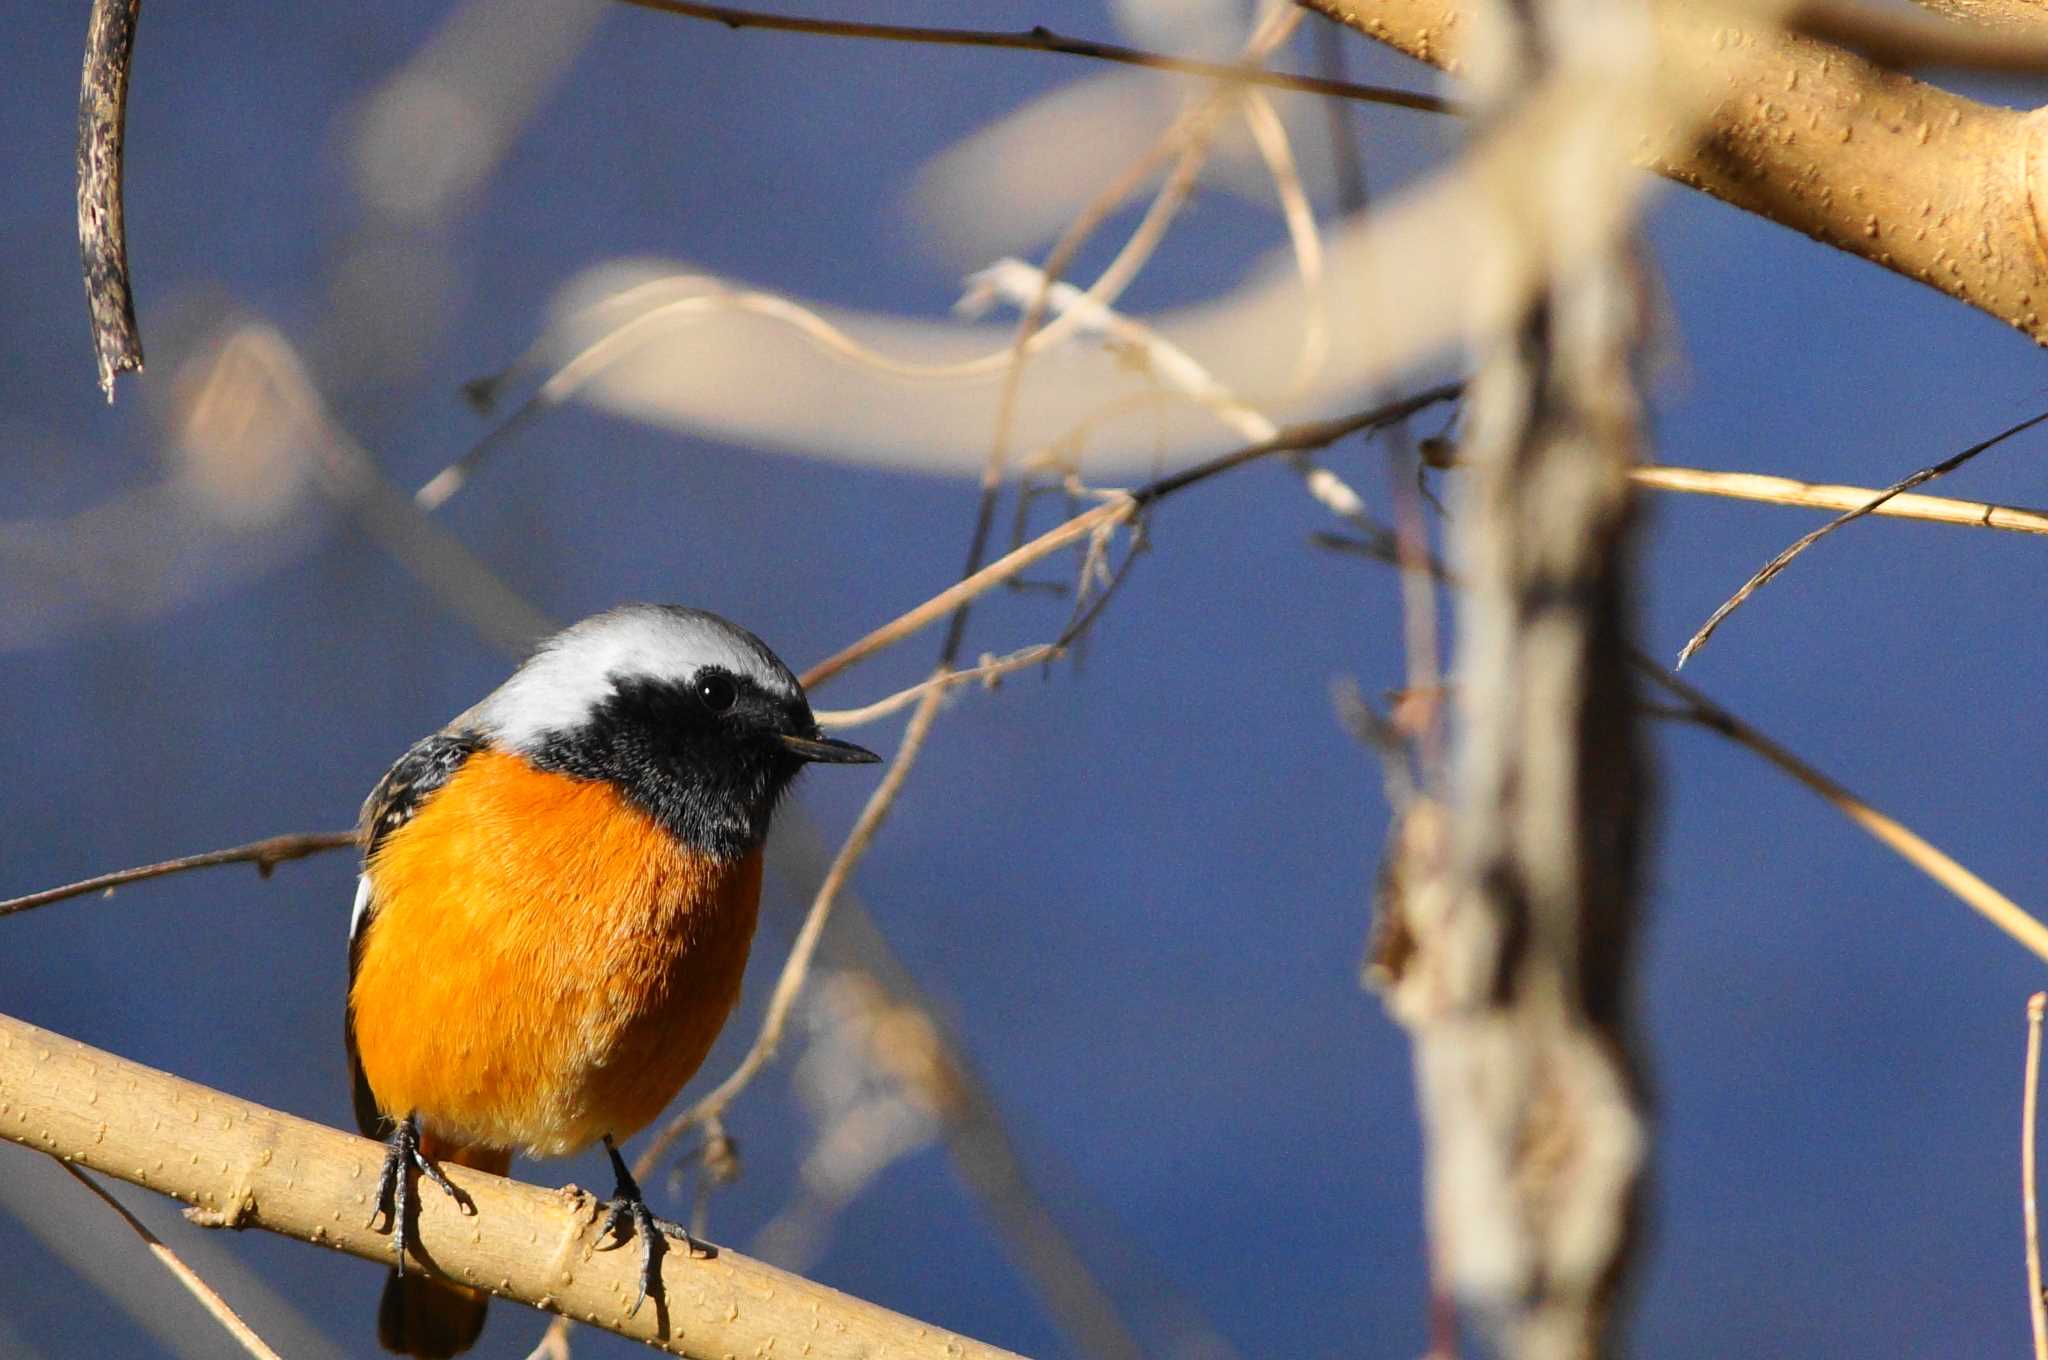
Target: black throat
<point>712,780</point>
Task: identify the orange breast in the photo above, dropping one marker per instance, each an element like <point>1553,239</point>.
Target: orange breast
<point>545,965</point>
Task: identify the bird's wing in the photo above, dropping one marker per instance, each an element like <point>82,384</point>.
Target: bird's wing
<point>398,797</point>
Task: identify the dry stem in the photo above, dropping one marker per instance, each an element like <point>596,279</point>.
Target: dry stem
<point>1043,39</point>
<point>244,1335</point>
<point>1757,486</point>
<point>265,854</point>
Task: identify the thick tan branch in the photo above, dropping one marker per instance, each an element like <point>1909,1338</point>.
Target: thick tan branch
<point>241,1165</point>
<point>1926,183</point>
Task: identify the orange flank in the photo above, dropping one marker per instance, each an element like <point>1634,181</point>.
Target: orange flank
<point>545,964</point>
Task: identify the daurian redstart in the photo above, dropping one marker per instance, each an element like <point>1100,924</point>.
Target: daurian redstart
<point>558,895</point>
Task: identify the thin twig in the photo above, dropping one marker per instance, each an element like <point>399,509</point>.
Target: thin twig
<point>1784,559</point>
<point>212,1302</point>
<point>988,672</point>
<point>1193,127</point>
<point>265,854</point>
<point>1043,39</point>
<point>1900,839</point>
<point>1757,486</point>
<point>713,1104</point>
<point>1312,435</point>
<point>2029,1104</point>
<point>102,237</point>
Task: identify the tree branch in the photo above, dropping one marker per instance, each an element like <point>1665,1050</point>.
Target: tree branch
<point>1042,39</point>
<point>1927,183</point>
<point>265,854</point>
<point>241,1165</point>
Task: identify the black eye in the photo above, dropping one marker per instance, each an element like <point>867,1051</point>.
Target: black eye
<point>715,690</point>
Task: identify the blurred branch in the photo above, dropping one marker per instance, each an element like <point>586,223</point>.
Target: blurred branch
<point>265,854</point>
<point>1877,501</point>
<point>1517,983</point>
<point>2006,15</point>
<point>1043,39</point>
<point>1756,486</point>
<point>1929,184</point>
<point>246,1166</point>
<point>244,1335</point>
<point>1904,40</point>
<point>102,236</point>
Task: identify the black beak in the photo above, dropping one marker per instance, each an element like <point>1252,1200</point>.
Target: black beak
<point>826,750</point>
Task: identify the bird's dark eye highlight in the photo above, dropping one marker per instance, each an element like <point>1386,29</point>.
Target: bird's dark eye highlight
<point>715,690</point>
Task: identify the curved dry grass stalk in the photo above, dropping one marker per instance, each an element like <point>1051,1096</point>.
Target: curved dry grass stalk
<point>216,1306</point>
<point>1269,134</point>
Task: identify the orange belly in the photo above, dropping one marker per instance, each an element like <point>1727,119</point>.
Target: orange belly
<point>545,964</point>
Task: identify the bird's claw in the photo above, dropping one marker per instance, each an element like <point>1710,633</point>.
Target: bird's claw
<point>625,1215</point>
<point>394,1186</point>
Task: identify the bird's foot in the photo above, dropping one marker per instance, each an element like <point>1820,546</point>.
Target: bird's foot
<point>395,1206</point>
<point>626,1213</point>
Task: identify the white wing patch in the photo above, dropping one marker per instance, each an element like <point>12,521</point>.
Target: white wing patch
<point>361,914</point>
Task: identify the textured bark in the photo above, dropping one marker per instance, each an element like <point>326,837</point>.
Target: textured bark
<point>1927,183</point>
<point>102,238</point>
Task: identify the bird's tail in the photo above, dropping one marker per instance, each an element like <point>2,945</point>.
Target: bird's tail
<point>422,1314</point>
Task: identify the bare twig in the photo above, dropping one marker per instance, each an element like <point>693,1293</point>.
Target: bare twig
<point>1757,486</point>
<point>1313,435</point>
<point>1805,541</point>
<point>1900,839</point>
<point>265,854</point>
<point>2029,1105</point>
<point>988,673</point>
<point>102,237</point>
<point>1193,128</point>
<point>712,1105</point>
<point>211,1301</point>
<point>260,1168</point>
<point>1043,39</point>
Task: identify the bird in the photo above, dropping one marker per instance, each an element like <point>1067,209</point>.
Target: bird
<point>557,899</point>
